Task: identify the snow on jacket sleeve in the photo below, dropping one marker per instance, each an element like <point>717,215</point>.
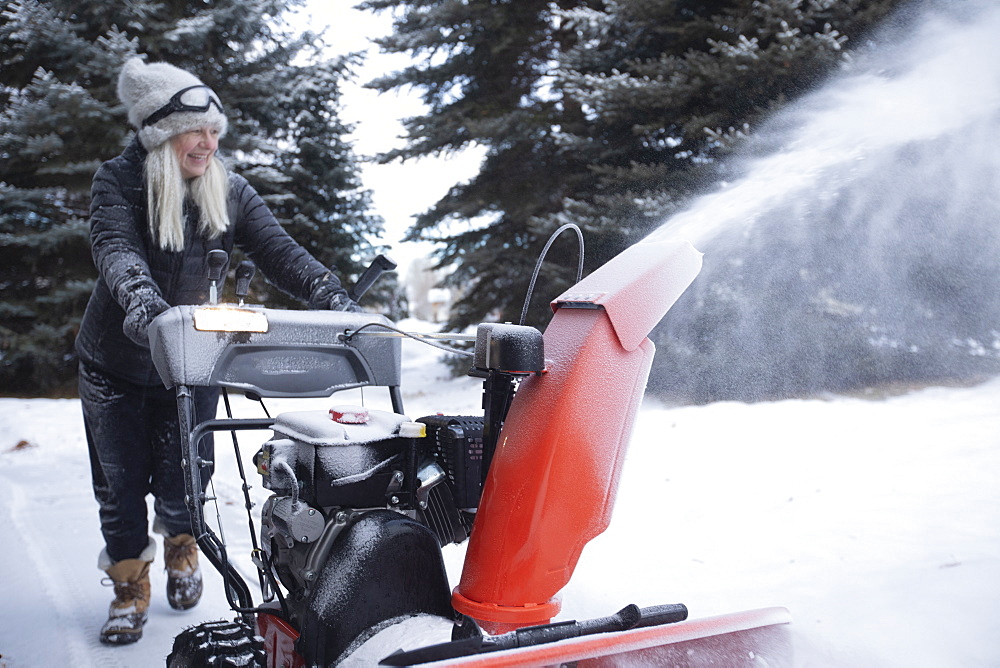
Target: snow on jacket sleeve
<point>116,236</point>
<point>119,245</point>
<point>284,262</point>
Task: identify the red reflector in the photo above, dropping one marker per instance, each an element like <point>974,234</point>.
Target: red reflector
<point>349,415</point>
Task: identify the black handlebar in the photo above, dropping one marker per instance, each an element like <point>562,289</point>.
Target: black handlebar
<point>244,274</point>
<point>217,260</point>
<point>379,266</point>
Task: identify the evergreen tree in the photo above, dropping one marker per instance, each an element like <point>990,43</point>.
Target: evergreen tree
<point>60,118</point>
<point>485,71</point>
<point>671,88</point>
<point>608,115</point>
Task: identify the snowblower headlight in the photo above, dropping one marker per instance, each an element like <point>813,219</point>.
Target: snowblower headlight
<point>228,319</point>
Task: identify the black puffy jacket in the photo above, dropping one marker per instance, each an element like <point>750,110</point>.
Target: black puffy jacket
<point>127,258</point>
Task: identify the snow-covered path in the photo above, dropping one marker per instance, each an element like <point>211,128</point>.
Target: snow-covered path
<point>876,522</point>
<point>54,604</point>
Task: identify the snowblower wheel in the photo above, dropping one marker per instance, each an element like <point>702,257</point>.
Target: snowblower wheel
<point>218,643</point>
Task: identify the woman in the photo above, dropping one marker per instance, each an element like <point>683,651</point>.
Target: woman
<point>156,211</point>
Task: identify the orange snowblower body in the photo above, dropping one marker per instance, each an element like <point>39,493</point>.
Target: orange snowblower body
<point>554,476</point>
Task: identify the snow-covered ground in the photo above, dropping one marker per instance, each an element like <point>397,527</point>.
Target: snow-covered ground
<point>875,520</point>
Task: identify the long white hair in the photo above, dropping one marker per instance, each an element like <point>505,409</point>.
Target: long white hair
<point>166,191</point>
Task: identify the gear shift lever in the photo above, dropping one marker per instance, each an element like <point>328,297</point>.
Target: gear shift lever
<point>217,261</point>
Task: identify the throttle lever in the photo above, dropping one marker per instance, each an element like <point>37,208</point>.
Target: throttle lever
<point>379,266</point>
<point>244,274</point>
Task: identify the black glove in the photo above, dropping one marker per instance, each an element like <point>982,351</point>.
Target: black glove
<point>341,302</point>
<point>331,296</point>
<point>145,303</point>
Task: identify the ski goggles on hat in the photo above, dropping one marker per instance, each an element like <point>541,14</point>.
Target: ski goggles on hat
<point>193,98</point>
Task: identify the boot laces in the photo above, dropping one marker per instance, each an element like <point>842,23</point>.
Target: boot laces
<point>125,592</point>
<point>180,557</point>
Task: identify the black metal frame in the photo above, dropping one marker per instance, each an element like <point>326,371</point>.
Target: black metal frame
<point>237,591</point>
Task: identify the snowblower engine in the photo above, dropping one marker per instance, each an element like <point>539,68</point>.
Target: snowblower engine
<point>342,476</point>
<point>327,469</point>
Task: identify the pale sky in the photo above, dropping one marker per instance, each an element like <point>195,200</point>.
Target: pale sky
<point>399,190</point>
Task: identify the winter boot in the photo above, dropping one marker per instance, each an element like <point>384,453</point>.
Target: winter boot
<point>127,613</point>
<point>183,575</point>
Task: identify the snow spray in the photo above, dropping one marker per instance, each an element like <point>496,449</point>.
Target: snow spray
<point>856,243</point>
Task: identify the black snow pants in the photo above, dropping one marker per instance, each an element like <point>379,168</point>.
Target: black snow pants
<point>135,450</point>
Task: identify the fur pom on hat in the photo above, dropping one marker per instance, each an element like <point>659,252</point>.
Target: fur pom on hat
<point>146,89</point>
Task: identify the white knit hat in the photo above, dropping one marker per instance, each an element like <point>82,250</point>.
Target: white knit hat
<point>148,93</point>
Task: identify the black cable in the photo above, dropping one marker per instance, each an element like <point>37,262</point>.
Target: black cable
<point>541,258</point>
<point>262,573</point>
<point>349,334</point>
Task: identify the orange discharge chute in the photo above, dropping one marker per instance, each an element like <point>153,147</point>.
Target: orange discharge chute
<point>554,476</point>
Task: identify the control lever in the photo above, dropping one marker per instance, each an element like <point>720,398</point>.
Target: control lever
<point>217,261</point>
<point>244,274</point>
<point>379,266</point>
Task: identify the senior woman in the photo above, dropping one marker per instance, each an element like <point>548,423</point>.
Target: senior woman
<point>156,212</point>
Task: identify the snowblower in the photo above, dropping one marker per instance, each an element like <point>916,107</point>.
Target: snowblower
<point>362,501</point>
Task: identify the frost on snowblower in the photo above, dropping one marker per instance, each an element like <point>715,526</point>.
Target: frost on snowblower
<point>362,501</point>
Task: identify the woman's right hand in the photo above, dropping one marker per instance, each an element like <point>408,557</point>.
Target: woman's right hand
<point>144,305</point>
